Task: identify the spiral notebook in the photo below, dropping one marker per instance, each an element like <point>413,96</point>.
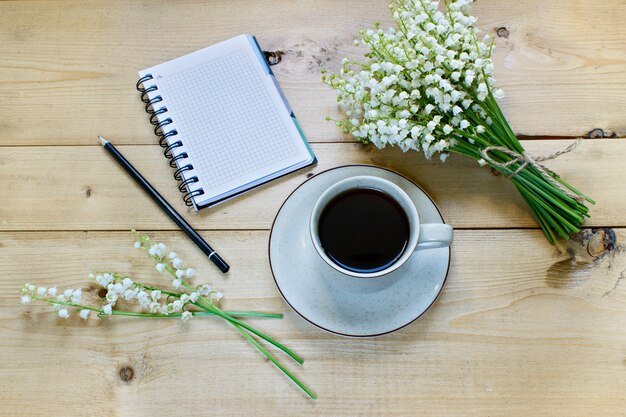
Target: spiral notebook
<point>223,121</point>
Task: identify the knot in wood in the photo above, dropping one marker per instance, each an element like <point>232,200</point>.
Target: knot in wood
<point>602,241</point>
<point>273,57</point>
<point>127,373</point>
<point>502,32</point>
<point>596,134</point>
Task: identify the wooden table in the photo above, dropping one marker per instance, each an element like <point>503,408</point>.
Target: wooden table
<point>522,327</point>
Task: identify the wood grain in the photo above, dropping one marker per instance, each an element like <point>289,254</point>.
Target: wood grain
<point>520,327</point>
<point>69,68</point>
<point>82,188</point>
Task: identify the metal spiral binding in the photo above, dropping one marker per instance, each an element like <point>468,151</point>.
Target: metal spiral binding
<point>160,125</point>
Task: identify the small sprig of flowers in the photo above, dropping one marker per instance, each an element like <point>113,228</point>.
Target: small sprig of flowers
<point>184,301</point>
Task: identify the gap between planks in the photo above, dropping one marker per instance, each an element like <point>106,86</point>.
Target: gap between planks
<point>199,229</point>
<point>349,141</point>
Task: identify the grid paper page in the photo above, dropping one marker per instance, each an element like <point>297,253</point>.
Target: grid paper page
<point>227,121</point>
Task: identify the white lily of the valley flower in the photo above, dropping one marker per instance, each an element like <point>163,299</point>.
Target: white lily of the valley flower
<point>104,279</point>
<point>167,308</point>
<point>77,296</point>
<point>111,297</point>
<point>155,295</point>
<point>177,305</point>
<point>119,288</point>
<point>186,316</point>
<point>157,250</point>
<point>204,289</point>
<point>154,307</point>
<point>130,294</point>
<point>143,296</point>
<point>177,263</point>
<point>63,313</point>
<point>84,314</point>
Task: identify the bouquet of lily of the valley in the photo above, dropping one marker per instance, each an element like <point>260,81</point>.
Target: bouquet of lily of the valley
<point>427,85</point>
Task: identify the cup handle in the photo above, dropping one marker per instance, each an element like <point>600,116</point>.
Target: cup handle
<point>434,235</point>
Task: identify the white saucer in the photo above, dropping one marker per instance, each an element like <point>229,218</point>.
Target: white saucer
<point>341,304</point>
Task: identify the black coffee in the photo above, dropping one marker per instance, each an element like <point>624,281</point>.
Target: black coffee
<point>363,230</point>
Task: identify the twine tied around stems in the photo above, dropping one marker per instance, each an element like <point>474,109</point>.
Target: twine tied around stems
<point>524,159</point>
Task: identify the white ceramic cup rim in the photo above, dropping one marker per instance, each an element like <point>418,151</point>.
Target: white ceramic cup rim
<point>367,182</point>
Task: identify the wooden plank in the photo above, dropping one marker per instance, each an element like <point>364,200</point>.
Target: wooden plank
<point>69,68</point>
<point>81,188</point>
<point>521,327</point>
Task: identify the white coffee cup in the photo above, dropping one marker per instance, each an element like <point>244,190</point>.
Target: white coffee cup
<point>421,236</point>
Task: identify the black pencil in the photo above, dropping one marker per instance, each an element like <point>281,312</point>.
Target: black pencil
<point>165,206</point>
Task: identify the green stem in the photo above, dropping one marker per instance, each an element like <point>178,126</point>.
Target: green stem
<point>553,209</point>
<point>545,227</point>
<point>274,361</point>
<point>253,314</point>
<point>209,306</point>
<point>199,313</point>
<point>491,101</point>
<point>212,307</point>
<point>158,315</point>
<point>557,203</point>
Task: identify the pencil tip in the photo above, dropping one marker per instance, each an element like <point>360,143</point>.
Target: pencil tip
<point>103,141</point>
